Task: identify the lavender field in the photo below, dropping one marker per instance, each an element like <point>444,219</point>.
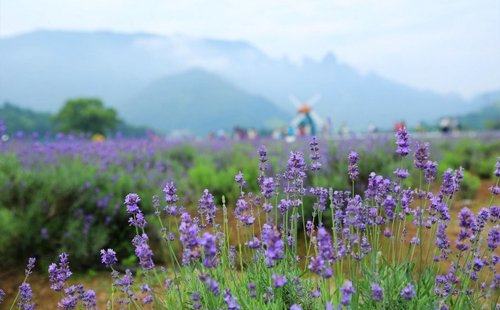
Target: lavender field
<point>374,222</point>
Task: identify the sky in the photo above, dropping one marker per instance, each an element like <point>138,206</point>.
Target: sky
<point>448,46</point>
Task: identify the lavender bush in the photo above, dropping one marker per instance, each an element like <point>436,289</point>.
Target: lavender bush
<point>386,247</point>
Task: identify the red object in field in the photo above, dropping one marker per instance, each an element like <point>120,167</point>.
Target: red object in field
<point>399,126</point>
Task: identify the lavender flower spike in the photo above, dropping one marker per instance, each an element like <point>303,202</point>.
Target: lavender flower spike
<point>421,155</point>
<point>408,293</point>
<point>403,142</point>
<point>353,166</point>
<point>108,257</point>
<point>497,171</point>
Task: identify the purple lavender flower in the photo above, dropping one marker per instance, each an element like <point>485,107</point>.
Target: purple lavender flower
<point>31,265</point>
<point>59,274</point>
<point>478,264</point>
<point>267,207</point>
<point>315,293</point>
<point>408,293</point>
<point>68,303</point>
<point>295,307</point>
<point>403,142</point>
<point>2,294</point>
<point>170,193</point>
<point>442,241</point>
<point>401,173</point>
<point>88,222</point>
<point>208,241</point>
<point>377,292</point>
<point>262,158</point>
<point>196,297</point>
<point>144,253</point>
<point>353,166</point>
<point>189,237</point>
<point>296,167</point>
<point>274,245</point>
<point>494,214</point>
<point>89,300</point>
<point>239,179</point>
<point>493,238</point>
<point>267,187</point>
<point>442,288</point>
<point>25,297</point>
<point>389,205</point>
<point>108,257</point>
<point>315,165</point>
<point>278,281</point>
<point>347,290</point>
<point>131,200</point>
<point>430,171</point>
<point>421,155</point>
<point>269,296</point>
<point>466,219</point>
<point>213,286</point>
<point>365,246</point>
<point>138,220</point>
<point>497,171</point>
<point>284,205</point>
<point>44,233</point>
<point>495,190</point>
<point>320,264</point>
<point>207,208</point>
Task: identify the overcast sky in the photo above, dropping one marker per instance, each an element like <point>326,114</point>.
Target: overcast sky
<point>441,45</point>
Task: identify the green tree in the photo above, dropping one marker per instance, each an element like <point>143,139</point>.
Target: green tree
<point>86,115</point>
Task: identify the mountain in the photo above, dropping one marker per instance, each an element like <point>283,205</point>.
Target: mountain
<point>44,68</point>
<point>486,117</point>
<point>31,122</point>
<point>200,102</point>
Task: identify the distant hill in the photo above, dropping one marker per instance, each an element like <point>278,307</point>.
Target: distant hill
<point>43,69</point>
<point>25,120</point>
<point>200,102</point>
<point>487,117</point>
<point>28,121</point>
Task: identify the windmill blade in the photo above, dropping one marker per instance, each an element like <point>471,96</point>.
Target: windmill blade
<point>313,100</point>
<point>295,101</point>
<point>317,119</point>
<point>296,121</point>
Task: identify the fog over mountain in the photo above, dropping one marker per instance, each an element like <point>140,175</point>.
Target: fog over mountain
<point>44,68</point>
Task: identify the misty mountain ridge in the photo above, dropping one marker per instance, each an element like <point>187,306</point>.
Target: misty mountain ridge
<point>43,69</point>
<point>200,102</point>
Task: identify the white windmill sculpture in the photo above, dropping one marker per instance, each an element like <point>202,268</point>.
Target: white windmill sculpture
<point>306,116</point>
